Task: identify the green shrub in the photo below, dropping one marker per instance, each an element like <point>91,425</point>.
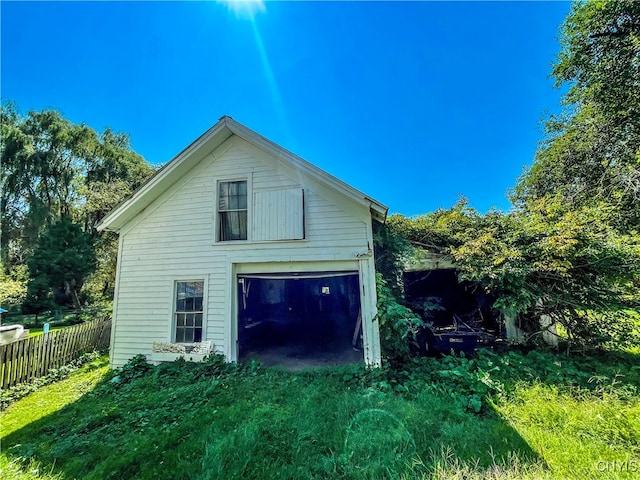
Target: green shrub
<point>398,324</point>
<point>135,368</point>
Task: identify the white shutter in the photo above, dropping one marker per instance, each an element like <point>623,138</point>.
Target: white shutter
<point>278,214</point>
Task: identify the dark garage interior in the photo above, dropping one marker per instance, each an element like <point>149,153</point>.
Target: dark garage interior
<point>299,320</point>
<point>437,295</point>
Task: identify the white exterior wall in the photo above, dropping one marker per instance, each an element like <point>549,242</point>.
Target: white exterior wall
<point>174,239</point>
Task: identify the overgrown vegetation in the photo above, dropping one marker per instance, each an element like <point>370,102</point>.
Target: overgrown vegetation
<point>399,326</point>
<point>510,416</point>
<point>570,248</point>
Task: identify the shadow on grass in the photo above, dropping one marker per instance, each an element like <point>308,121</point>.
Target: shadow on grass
<point>197,421</point>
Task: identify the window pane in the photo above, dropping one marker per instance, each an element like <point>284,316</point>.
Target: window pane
<point>232,210</point>
<point>189,297</point>
<point>223,195</point>
<point>242,201</point>
<point>232,195</point>
<point>198,318</point>
<point>188,335</point>
<point>233,225</point>
<point>180,334</point>
<point>180,319</point>
<point>197,335</point>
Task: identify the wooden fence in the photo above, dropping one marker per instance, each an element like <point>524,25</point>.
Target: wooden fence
<point>33,357</point>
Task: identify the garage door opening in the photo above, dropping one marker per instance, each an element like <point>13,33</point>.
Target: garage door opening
<point>299,320</point>
<point>440,298</point>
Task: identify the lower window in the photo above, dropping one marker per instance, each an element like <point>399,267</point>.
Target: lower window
<point>188,313</point>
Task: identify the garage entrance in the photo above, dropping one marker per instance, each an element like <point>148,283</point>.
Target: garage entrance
<point>299,320</point>
<point>440,297</point>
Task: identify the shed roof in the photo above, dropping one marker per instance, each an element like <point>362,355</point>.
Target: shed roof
<point>201,147</point>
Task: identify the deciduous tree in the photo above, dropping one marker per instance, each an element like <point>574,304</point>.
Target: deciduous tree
<point>591,153</point>
<point>52,168</point>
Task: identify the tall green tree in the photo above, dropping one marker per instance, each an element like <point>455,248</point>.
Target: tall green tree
<point>52,167</point>
<point>591,153</point>
<point>39,297</point>
<point>62,259</point>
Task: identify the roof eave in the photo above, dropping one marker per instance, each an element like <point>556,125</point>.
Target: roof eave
<point>164,178</point>
<point>378,210</point>
<point>207,142</point>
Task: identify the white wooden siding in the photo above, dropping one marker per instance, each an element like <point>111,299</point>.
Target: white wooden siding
<point>278,214</point>
<point>174,238</point>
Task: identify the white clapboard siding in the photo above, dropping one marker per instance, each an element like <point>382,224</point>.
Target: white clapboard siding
<point>174,239</point>
<point>278,214</point>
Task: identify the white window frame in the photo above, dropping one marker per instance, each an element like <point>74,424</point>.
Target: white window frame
<point>174,312</point>
<point>216,209</point>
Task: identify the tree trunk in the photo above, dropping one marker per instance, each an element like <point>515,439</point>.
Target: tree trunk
<point>76,300</point>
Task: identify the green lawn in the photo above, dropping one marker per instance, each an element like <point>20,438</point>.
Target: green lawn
<point>57,318</point>
<point>30,320</point>
<point>38,330</point>
<point>503,417</point>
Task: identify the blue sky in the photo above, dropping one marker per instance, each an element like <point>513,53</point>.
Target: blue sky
<point>413,103</point>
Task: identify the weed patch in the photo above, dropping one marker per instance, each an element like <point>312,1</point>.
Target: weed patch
<point>493,416</point>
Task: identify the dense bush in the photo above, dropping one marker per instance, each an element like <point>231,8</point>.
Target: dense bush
<point>398,324</point>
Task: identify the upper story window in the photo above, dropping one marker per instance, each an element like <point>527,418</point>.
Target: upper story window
<point>232,210</point>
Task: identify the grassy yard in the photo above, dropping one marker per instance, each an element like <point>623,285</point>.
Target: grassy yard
<point>56,318</point>
<point>30,320</point>
<point>34,331</point>
<point>513,416</point>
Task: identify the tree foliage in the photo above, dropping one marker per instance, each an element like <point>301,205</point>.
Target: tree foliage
<point>392,248</point>
<point>571,266</point>
<point>39,297</point>
<point>54,169</point>
<point>570,249</point>
<point>13,286</point>
<point>599,57</point>
<point>399,326</point>
<point>591,153</point>
<point>62,259</point>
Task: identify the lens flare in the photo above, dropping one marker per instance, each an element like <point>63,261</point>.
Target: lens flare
<point>244,8</point>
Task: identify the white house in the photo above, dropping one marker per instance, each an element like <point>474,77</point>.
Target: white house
<point>241,243</point>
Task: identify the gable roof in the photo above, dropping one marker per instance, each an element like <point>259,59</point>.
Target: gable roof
<point>205,144</point>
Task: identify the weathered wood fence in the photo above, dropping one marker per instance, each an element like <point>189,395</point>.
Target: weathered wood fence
<point>33,357</point>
